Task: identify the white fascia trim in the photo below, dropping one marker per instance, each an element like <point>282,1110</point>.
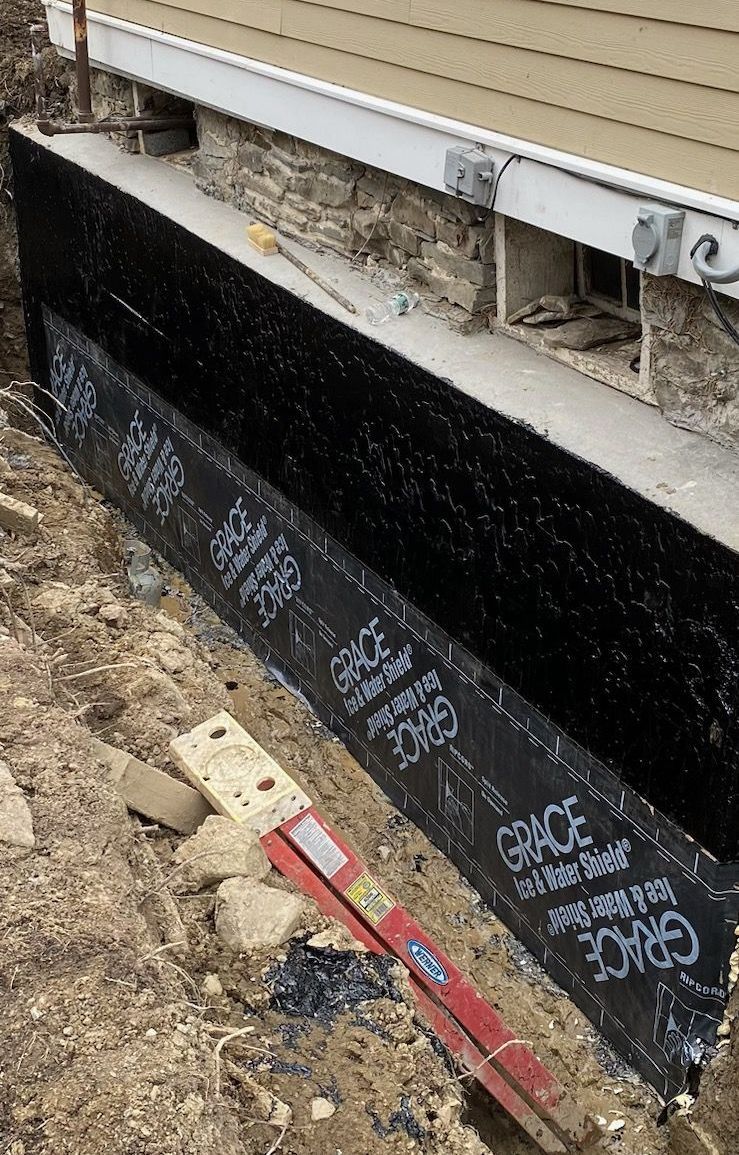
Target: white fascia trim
<point>587,201</point>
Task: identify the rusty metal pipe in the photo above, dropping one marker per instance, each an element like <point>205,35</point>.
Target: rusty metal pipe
<point>82,61</point>
<point>38,70</point>
<point>130,124</point>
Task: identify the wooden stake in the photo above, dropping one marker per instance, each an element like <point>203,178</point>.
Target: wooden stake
<point>153,793</point>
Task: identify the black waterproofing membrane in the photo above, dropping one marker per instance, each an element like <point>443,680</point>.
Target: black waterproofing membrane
<point>629,914</point>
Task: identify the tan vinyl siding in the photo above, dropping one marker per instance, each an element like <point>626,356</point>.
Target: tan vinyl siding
<point>659,96</point>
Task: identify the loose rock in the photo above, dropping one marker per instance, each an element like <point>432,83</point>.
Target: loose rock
<point>250,915</point>
<point>171,654</point>
<point>449,1111</point>
<point>321,1108</point>
<point>589,332</point>
<point>113,615</point>
<point>212,986</point>
<point>337,937</point>
<point>16,824</point>
<point>220,849</point>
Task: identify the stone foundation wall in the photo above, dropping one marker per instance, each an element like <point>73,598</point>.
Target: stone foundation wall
<point>334,202</point>
<point>114,97</point>
<point>457,256</point>
<point>693,364</point>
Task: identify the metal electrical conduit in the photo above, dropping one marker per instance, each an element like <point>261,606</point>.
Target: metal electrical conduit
<point>704,248</point>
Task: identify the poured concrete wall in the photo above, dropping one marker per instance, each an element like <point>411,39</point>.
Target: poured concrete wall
<point>576,644</point>
<point>617,620</point>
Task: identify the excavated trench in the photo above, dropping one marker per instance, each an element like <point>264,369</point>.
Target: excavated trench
<point>559,734</point>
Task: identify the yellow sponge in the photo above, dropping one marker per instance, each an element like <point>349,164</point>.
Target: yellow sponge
<point>262,239</point>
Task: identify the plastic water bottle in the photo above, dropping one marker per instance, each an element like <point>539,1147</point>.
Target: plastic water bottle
<point>145,582</point>
<point>393,307</point>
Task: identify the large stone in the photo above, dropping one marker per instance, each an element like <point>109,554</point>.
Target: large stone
<point>455,265</point>
<point>166,142</point>
<point>590,332</point>
<point>16,824</point>
<point>330,190</point>
<point>260,183</point>
<point>295,203</point>
<point>455,209</point>
<point>416,212</point>
<point>220,849</point>
<point>250,915</point>
<point>289,160</point>
<point>258,207</point>
<point>404,238</point>
<point>368,221</point>
<point>461,238</point>
<point>291,220</point>
<point>470,297</point>
<point>285,175</point>
<point>331,163</point>
<point>396,256</point>
<point>371,190</point>
<point>280,140</point>
<point>251,156</point>
<point>222,127</point>
<point>217,137</point>
<point>688,1138</point>
<point>332,234</point>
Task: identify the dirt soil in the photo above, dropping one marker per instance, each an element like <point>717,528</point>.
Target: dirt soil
<point>108,1034</point>
<point>126,1025</point>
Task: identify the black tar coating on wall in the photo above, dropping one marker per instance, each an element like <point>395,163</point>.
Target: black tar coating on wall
<point>607,892</point>
<point>614,618</point>
<point>609,895</point>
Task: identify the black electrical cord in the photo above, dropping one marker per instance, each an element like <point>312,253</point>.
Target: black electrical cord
<point>726,324</point>
<point>500,177</point>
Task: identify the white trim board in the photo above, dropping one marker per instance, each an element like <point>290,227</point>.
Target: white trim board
<point>572,196</point>
<point>678,471</point>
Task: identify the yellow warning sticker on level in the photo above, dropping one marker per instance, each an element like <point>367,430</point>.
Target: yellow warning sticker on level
<point>365,893</point>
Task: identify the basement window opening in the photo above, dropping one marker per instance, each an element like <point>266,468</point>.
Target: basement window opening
<point>608,281</point>
<point>577,304</point>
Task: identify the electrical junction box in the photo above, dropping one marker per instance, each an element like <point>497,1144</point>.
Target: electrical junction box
<point>468,173</point>
<point>657,239</point>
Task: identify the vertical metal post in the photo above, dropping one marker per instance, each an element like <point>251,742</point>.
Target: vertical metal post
<point>82,61</point>
<point>37,30</point>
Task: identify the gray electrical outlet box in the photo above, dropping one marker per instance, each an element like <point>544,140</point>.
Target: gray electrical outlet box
<point>657,238</point>
<point>468,173</point>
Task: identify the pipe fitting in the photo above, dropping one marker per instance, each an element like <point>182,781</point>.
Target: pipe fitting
<point>705,247</point>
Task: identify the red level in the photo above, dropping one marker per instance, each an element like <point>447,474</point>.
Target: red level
<point>307,851</point>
